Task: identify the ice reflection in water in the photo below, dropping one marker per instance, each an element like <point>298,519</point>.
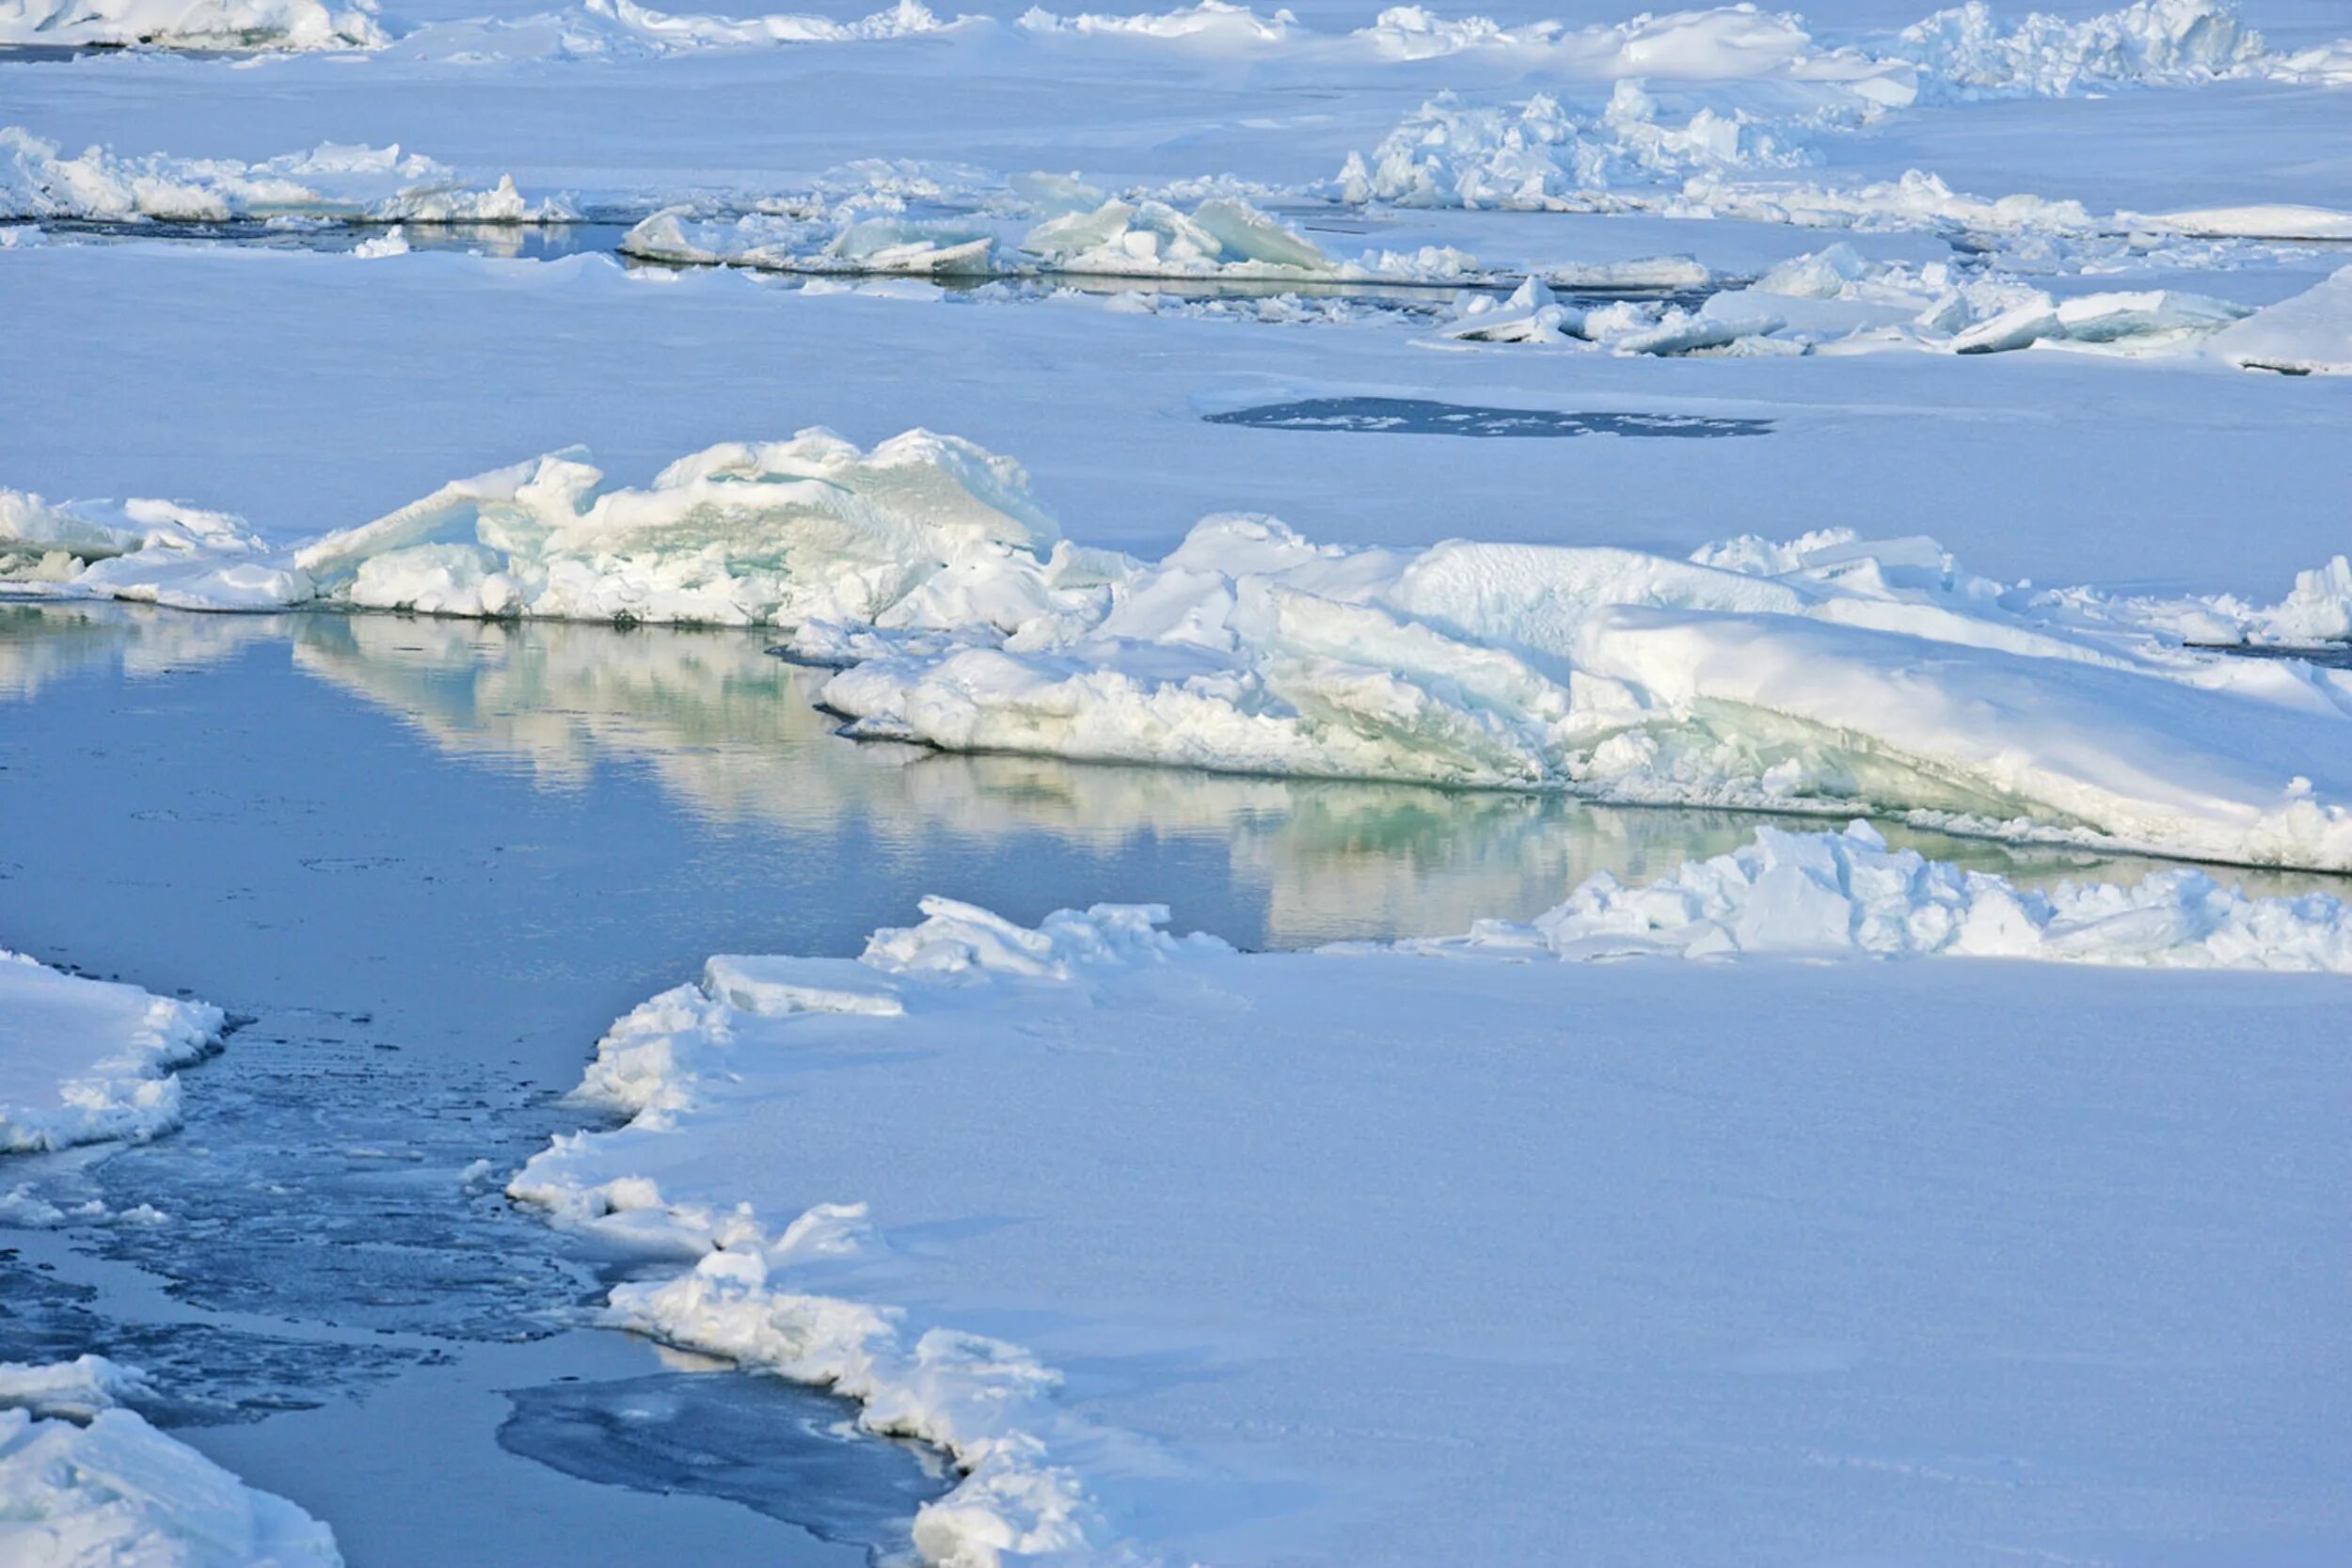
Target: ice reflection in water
<point>781,1449</point>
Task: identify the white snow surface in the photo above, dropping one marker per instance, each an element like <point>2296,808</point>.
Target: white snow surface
<point>371,184</point>
<point>86,1061</point>
<point>1301,1264</point>
<point>192,24</point>
<point>84,1482</point>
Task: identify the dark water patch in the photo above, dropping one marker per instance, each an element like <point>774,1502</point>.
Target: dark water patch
<point>535,242</point>
<point>203,1373</point>
<point>776,1448</point>
<point>1371,416</point>
<point>2332,656</point>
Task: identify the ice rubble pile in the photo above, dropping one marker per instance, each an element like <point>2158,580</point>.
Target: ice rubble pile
<point>708,1073</point>
<point>196,25</point>
<point>1835,300</point>
<point>1792,891</point>
<point>1754,91</point>
<point>1964,52</point>
<point>372,185</point>
<point>1032,225</point>
<point>84,1481</point>
<point>1535,155</point>
<point>84,1061</point>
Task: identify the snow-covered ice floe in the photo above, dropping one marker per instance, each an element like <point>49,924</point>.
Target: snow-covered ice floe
<point>194,25</point>
<point>86,1061</point>
<point>84,1481</point>
<point>365,184</point>
<point>1201,1127</point>
<point>1828,674</point>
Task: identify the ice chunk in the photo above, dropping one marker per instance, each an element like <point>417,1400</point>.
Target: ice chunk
<point>75,1390</point>
<point>86,1061</point>
<point>118,1491</point>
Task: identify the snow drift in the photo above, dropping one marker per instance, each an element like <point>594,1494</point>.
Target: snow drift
<point>84,1061</point>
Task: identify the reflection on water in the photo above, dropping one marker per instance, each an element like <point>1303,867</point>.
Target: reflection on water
<point>1370,416</point>
<point>730,735</point>
<point>782,1448</point>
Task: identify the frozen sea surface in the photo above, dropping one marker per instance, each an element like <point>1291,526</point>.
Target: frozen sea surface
<point>423,864</point>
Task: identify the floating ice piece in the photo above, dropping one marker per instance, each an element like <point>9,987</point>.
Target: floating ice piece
<point>1963,53</point>
<point>1865,676</point>
<point>1530,315</point>
<point>1630,679</point>
<point>193,25</point>
<point>151,550</point>
<point>2310,333</point>
<point>366,184</point>
<point>118,1491</point>
<point>75,1390</point>
<point>88,1061</point>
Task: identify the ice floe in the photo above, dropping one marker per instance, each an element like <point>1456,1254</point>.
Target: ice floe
<point>84,1481</point>
<point>87,1061</point>
<point>1833,675</point>
<point>369,185</point>
<point>1203,1124</point>
<point>194,25</point>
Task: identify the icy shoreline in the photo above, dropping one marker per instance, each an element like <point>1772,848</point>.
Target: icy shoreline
<point>719,1076</point>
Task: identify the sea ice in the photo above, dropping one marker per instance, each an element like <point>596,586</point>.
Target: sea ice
<point>1241,1173</point>
<point>84,1061</point>
<point>355,184</point>
<point>83,1482</point>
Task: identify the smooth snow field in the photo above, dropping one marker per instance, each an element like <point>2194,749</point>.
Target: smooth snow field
<point>1175,784</point>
